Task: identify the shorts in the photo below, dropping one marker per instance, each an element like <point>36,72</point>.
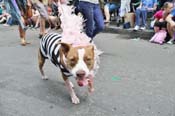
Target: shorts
<point>160,24</point>
<point>112,6</point>
<point>42,10</point>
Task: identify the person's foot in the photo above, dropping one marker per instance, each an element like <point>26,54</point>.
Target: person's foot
<point>136,28</point>
<point>36,27</point>
<point>143,28</point>
<point>23,42</point>
<point>6,25</point>
<point>106,21</point>
<point>171,41</point>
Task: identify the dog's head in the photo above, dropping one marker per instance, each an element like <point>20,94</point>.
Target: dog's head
<point>79,61</point>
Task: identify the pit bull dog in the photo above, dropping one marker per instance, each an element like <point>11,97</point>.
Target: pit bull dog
<point>75,61</point>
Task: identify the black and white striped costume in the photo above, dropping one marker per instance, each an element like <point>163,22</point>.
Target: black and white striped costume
<point>49,48</point>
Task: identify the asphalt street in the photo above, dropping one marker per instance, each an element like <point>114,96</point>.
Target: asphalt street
<point>136,78</point>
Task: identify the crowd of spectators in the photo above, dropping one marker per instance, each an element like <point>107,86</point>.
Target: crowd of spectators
<point>146,14</point>
<point>157,15</point>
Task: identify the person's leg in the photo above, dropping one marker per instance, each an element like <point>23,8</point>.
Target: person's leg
<point>98,18</point>
<point>170,30</point>
<point>106,13</point>
<point>22,34</point>
<point>144,17</point>
<point>42,27</point>
<point>43,17</point>
<point>86,9</point>
<point>37,22</point>
<point>137,19</point>
<point>113,9</point>
<point>137,13</point>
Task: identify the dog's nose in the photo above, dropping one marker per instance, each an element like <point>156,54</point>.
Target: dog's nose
<point>80,73</point>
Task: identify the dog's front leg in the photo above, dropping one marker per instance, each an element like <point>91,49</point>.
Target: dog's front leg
<point>74,97</point>
<point>69,85</point>
<point>91,83</point>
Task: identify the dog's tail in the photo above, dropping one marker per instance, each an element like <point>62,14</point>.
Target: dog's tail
<point>72,26</point>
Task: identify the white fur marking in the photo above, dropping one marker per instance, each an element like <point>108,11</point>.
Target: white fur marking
<point>81,65</point>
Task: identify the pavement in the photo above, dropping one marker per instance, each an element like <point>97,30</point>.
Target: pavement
<point>135,78</point>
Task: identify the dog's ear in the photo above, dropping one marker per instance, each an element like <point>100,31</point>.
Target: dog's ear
<point>65,47</point>
<point>90,47</point>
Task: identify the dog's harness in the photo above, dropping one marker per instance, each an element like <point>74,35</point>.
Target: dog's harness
<point>49,48</point>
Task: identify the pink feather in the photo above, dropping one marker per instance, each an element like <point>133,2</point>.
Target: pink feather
<point>72,26</point>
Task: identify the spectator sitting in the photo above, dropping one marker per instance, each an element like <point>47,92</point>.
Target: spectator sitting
<point>124,8</point>
<point>110,6</point>
<point>54,6</point>
<point>141,12</point>
<point>4,17</point>
<point>171,25</point>
<point>160,26</point>
<point>54,15</point>
<point>34,20</point>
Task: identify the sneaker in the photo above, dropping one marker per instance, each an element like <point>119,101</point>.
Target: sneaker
<point>36,27</point>
<point>171,41</point>
<point>142,28</point>
<point>136,28</point>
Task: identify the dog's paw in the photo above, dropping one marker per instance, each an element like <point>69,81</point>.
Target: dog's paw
<point>75,99</point>
<point>44,77</point>
<point>91,90</point>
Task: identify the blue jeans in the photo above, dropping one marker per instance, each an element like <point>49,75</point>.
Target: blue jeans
<point>93,18</point>
<point>141,15</point>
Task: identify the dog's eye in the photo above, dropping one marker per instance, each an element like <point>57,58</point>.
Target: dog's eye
<point>88,60</point>
<point>72,61</point>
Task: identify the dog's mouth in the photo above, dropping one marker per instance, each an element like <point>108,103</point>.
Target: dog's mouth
<point>82,81</point>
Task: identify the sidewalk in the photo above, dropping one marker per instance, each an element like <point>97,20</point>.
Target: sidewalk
<point>128,33</point>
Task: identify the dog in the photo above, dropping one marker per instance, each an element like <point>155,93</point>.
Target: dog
<point>76,61</point>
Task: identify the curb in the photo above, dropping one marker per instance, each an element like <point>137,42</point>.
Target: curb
<point>129,33</point>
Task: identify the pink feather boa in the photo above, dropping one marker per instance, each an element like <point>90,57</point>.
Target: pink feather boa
<point>72,26</point>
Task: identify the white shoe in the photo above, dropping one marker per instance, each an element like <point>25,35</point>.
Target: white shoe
<point>142,28</point>
<point>136,28</point>
<point>171,41</point>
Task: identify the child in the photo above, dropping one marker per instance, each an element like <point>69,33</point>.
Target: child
<point>160,23</point>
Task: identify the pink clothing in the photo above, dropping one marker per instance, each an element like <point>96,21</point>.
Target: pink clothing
<point>159,14</point>
<point>159,37</point>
